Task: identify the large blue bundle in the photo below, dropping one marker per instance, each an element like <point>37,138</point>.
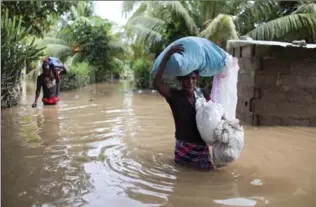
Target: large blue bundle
<point>54,61</point>
<point>200,54</point>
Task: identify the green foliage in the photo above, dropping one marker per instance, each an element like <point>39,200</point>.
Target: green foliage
<point>78,76</point>
<point>84,37</point>
<point>160,22</point>
<point>91,37</point>
<point>155,24</point>
<point>119,68</point>
<point>39,15</point>
<point>220,30</point>
<point>55,47</point>
<point>163,22</point>
<point>206,83</point>
<point>82,9</point>
<point>142,68</point>
<point>304,25</point>
<point>15,51</point>
<point>257,13</point>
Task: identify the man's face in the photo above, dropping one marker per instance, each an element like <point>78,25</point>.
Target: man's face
<point>189,82</point>
<point>46,71</point>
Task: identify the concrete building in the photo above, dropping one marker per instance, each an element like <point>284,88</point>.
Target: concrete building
<point>276,83</point>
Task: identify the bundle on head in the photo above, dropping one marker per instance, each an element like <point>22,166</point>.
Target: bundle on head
<point>199,54</point>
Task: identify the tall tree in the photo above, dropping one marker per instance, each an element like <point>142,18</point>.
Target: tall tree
<point>40,15</point>
<point>219,21</point>
<point>80,36</point>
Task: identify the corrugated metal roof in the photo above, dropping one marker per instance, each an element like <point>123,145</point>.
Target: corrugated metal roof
<point>236,43</point>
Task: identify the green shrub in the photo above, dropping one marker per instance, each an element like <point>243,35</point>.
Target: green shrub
<point>205,82</point>
<point>78,76</point>
<point>142,75</point>
<point>15,51</point>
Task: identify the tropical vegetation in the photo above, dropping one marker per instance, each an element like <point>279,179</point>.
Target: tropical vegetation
<point>155,24</point>
<point>93,51</point>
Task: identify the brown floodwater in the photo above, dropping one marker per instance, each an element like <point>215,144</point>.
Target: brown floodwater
<point>106,145</point>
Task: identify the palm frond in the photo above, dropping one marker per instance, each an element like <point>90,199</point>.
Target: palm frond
<point>73,60</point>
<point>85,8</point>
<point>180,10</point>
<point>304,23</point>
<point>74,13</point>
<point>145,35</point>
<point>256,13</point>
<point>149,22</point>
<point>59,51</point>
<point>118,47</point>
<point>50,40</point>
<point>220,30</point>
<point>141,9</point>
<point>128,6</point>
<point>306,8</point>
<point>211,9</point>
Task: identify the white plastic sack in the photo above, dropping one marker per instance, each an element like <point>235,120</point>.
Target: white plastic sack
<point>229,136</point>
<point>216,119</point>
<point>225,136</point>
<point>208,116</point>
<point>224,88</point>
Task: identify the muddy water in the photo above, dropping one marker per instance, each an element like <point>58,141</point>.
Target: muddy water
<point>104,146</point>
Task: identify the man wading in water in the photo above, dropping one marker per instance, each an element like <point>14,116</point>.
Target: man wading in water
<point>49,81</point>
<point>190,149</point>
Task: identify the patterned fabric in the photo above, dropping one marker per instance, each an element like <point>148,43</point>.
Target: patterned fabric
<point>194,155</point>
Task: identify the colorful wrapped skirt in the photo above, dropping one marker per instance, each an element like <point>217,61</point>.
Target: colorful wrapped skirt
<point>194,155</point>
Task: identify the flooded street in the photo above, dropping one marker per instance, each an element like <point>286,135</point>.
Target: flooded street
<point>108,146</point>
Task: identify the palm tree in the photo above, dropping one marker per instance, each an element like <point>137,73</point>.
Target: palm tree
<point>299,24</point>
<point>60,43</point>
<point>220,21</point>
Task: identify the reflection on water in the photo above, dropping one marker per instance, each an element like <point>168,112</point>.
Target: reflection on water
<point>108,145</point>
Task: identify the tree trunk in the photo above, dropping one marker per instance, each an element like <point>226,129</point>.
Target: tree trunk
<point>23,84</point>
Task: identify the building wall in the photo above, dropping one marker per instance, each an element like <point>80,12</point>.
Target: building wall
<point>276,84</point>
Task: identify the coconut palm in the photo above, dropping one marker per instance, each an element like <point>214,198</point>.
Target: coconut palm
<point>281,21</point>
<point>220,21</point>
<point>64,49</point>
<point>64,43</point>
<point>150,22</point>
<point>61,44</point>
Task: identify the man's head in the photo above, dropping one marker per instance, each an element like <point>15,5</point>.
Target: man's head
<point>45,68</point>
<point>189,81</point>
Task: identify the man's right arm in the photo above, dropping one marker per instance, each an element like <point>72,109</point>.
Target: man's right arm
<point>162,88</point>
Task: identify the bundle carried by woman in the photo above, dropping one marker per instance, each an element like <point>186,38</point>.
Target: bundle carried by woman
<point>215,119</point>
